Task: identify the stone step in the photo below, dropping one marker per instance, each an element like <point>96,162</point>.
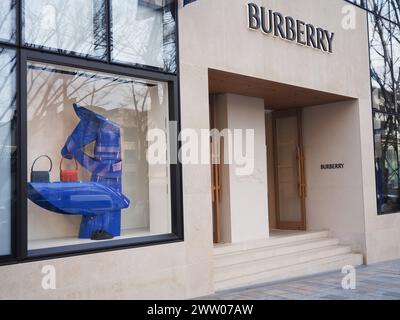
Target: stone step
<point>327,264</point>
<point>272,251</point>
<point>291,237</point>
<point>276,262</point>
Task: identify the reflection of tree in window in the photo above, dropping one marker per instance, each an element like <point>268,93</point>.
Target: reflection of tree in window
<point>7,20</point>
<point>48,18</point>
<point>147,38</point>
<point>8,158</point>
<point>385,78</point>
<point>8,100</point>
<point>76,26</point>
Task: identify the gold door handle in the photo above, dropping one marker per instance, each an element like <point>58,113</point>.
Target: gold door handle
<point>216,176</point>
<point>303,171</point>
<point>216,182</point>
<point>219,182</point>
<point>213,187</point>
<point>299,173</point>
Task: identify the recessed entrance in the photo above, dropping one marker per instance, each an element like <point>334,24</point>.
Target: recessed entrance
<point>239,207</point>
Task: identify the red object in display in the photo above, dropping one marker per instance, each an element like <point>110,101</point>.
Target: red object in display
<point>69,175</point>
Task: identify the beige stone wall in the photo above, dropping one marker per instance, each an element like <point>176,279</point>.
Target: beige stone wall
<point>334,197</point>
<point>244,205</point>
<point>214,34</point>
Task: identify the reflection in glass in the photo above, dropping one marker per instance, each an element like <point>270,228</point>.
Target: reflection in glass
<point>73,26</point>
<point>396,65</point>
<point>7,20</point>
<point>7,145</point>
<point>382,72</point>
<point>380,7</point>
<point>144,33</point>
<point>387,143</point>
<point>102,122</point>
<point>385,80</point>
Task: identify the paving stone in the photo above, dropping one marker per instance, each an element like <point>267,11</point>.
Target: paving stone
<point>392,294</point>
<point>375,282</point>
<point>333,297</point>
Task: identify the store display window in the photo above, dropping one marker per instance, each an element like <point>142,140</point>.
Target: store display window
<point>89,179</point>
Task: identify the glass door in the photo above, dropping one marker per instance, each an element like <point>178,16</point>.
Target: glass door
<point>290,184</point>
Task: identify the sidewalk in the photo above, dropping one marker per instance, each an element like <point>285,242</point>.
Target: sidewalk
<point>375,282</point>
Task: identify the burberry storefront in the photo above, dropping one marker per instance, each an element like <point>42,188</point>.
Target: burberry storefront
<point>87,88</point>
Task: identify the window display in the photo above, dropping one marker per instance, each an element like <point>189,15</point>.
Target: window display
<point>95,126</point>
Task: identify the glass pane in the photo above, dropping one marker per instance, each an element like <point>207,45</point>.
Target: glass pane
<point>106,187</point>
<point>382,72</point>
<point>387,138</point>
<point>7,145</point>
<point>380,7</point>
<point>288,181</point>
<point>7,21</point>
<point>73,26</point>
<point>395,11</point>
<point>396,65</point>
<point>144,33</point>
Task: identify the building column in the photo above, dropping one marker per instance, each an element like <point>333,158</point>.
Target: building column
<point>244,207</point>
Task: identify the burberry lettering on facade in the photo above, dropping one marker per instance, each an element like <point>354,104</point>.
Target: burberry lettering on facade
<point>286,27</point>
<point>332,166</point>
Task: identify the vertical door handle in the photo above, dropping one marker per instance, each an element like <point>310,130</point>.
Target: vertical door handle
<point>219,181</point>
<point>213,187</point>
<point>299,173</point>
<point>303,174</point>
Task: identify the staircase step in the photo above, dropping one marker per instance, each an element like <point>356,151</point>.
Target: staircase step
<point>277,262</point>
<point>271,251</point>
<point>221,249</point>
<point>327,264</point>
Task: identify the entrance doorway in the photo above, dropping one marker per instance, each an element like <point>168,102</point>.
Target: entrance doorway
<point>289,170</point>
<point>282,201</point>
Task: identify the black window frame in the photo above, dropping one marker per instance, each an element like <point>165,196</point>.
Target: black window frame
<point>19,214</point>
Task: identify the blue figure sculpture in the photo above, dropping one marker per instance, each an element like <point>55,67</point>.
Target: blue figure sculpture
<point>105,166</point>
<point>100,200</point>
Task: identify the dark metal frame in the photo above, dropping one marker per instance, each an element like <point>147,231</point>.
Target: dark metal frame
<point>19,216</point>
